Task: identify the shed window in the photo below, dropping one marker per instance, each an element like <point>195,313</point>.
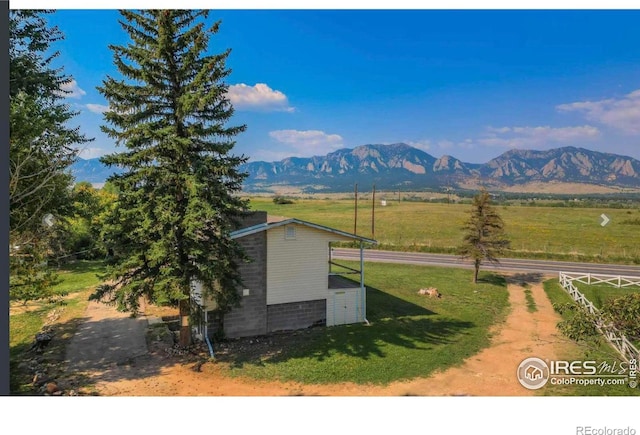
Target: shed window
<point>290,232</point>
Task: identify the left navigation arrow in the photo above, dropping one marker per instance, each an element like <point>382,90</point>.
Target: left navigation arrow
<point>48,220</point>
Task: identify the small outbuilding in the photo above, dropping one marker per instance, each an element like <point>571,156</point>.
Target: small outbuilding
<point>291,282</point>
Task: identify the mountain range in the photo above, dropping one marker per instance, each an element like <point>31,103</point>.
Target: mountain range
<point>400,166</point>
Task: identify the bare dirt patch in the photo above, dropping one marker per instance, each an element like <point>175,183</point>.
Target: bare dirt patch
<point>553,187</point>
<point>489,373</point>
<point>566,188</point>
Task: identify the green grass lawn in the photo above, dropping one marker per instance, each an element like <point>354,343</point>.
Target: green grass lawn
<point>78,280</point>
<point>409,335</point>
<point>600,293</point>
<point>600,351</point>
<point>79,275</point>
<point>535,232</point>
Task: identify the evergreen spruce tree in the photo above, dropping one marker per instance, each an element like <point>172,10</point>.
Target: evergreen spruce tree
<point>178,199</point>
<point>484,237</point>
<point>40,151</point>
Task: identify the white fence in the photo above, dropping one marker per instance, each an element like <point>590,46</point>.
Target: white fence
<point>598,278</point>
<point>616,338</point>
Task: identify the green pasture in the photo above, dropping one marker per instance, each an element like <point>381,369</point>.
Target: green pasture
<point>535,232</point>
<point>598,294</point>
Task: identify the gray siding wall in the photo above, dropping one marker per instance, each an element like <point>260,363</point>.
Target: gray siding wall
<point>296,315</point>
<point>250,318</point>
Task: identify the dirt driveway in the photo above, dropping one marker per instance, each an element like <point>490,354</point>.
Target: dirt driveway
<point>106,340</point>
<point>489,373</point>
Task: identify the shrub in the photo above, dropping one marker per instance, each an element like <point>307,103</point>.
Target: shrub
<point>624,313</point>
<point>278,199</point>
<point>581,324</point>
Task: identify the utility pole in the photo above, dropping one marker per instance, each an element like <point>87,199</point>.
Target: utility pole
<point>355,213</point>
<point>373,213</point>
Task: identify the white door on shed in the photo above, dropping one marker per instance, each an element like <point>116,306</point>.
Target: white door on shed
<point>342,307</point>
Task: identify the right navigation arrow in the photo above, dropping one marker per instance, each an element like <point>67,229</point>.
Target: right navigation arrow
<point>605,219</point>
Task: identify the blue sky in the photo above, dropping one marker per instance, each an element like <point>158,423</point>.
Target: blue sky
<point>471,84</point>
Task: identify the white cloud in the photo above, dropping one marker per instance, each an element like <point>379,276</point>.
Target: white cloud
<point>91,153</point>
<point>307,142</point>
<point>537,137</point>
<point>445,144</point>
<point>97,108</point>
<point>429,145</point>
<point>71,90</point>
<point>499,130</point>
<point>424,145</point>
<point>269,155</point>
<point>258,97</point>
<point>467,144</point>
<point>622,114</point>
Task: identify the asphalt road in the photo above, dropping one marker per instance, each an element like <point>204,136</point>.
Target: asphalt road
<point>506,264</point>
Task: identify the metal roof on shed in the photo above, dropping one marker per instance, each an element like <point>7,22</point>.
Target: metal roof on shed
<point>269,225</point>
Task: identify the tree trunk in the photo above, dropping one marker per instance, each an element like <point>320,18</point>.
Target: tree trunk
<point>475,272</point>
<point>185,329</point>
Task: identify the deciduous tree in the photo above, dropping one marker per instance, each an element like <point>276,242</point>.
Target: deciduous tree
<point>41,148</point>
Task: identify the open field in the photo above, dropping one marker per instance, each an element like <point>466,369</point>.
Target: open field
<point>565,188</point>
<point>535,232</point>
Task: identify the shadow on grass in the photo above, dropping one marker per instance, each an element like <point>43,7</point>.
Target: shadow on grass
<point>526,278</point>
<point>382,305</point>
<point>493,279</point>
<point>393,322</point>
<point>357,340</point>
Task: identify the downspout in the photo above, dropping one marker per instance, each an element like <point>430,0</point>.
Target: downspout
<point>362,288</point>
<point>206,334</point>
<point>210,346</point>
<point>202,303</point>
